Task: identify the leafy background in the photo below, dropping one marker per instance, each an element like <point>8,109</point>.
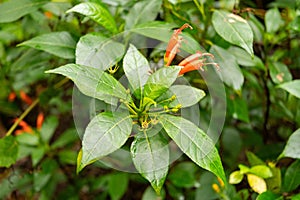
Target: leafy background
<point>258,53</point>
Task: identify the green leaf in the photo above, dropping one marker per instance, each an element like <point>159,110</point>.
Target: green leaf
<point>94,82</point>
<point>279,72</point>
<point>291,178</point>
<point>229,71</point>
<point>262,171</point>
<point>159,82</point>
<point>150,155</point>
<point>237,107</point>
<point>8,151</point>
<point>274,183</point>
<point>186,96</point>
<point>253,159</point>
<point>194,143</point>
<point>141,12</point>
<point>15,9</point>
<point>236,177</point>
<point>233,29</point>
<point>117,185</point>
<point>98,13</point>
<point>105,133</point>
<point>293,87</point>
<point>268,195</point>
<point>137,70</point>
<point>273,20</point>
<point>183,175</point>
<point>65,138</point>
<point>292,148</point>
<point>97,51</point>
<point>162,31</point>
<point>60,44</point>
<point>150,194</point>
<point>48,128</point>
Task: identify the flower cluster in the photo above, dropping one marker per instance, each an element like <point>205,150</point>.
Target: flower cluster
<point>192,62</point>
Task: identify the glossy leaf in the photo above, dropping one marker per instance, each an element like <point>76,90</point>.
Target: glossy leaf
<point>229,72</point>
<point>8,151</point>
<point>105,133</point>
<point>15,9</point>
<point>97,51</point>
<point>194,143</point>
<point>160,81</point>
<point>94,82</point>
<point>98,13</point>
<point>262,171</point>
<point>141,12</point>
<point>291,178</point>
<point>150,155</point>
<point>137,70</point>
<point>233,29</point>
<point>293,87</point>
<point>273,20</point>
<point>236,177</point>
<point>256,183</point>
<point>279,72</point>
<point>186,96</point>
<point>60,44</point>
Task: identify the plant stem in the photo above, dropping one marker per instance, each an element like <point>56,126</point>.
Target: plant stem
<point>200,8</point>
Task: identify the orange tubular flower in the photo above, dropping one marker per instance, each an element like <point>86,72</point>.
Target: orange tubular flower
<point>25,97</point>
<point>194,62</point>
<point>174,44</point>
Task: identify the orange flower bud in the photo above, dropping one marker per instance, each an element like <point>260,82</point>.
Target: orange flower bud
<point>174,44</point>
<point>39,121</point>
<point>25,97</point>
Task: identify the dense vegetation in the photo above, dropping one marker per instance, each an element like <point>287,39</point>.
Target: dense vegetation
<point>160,99</point>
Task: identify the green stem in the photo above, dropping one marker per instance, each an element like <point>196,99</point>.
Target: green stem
<point>201,9</point>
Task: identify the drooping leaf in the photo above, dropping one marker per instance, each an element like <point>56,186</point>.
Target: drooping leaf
<point>194,143</point>
<point>236,177</point>
<point>60,44</point>
<point>229,71</point>
<point>185,95</point>
<point>98,13</point>
<point>93,82</point>
<point>291,178</point>
<point>15,9</point>
<point>160,81</point>
<point>8,151</point>
<point>256,183</point>
<point>105,133</point>
<point>279,72</point>
<point>233,29</point>
<point>293,87</point>
<point>97,51</point>
<point>141,12</point>
<point>273,20</point>
<point>150,155</point>
<point>137,70</point>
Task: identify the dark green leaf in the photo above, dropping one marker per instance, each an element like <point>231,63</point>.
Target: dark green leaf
<point>159,82</point>
<point>106,133</point>
<point>94,82</point>
<point>150,155</point>
<point>15,9</point>
<point>48,128</point>
<point>8,151</point>
<point>233,29</point>
<point>142,11</point>
<point>229,72</point>
<point>268,195</point>
<point>279,72</point>
<point>186,96</point>
<point>137,70</point>
<point>293,87</point>
<point>273,20</point>
<point>98,13</point>
<point>184,175</point>
<point>237,107</point>
<point>253,159</point>
<point>194,143</point>
<point>291,178</point>
<point>67,157</point>
<point>97,51</point>
<point>65,138</point>
<point>60,44</point>
<point>117,185</point>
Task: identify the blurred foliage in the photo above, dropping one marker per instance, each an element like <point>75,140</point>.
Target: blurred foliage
<point>259,144</point>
